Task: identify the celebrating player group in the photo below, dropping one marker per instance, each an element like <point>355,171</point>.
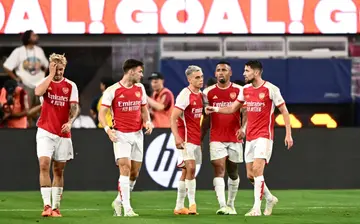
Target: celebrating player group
<point>230,111</point>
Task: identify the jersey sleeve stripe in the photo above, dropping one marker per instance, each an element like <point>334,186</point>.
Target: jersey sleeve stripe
<point>143,105</point>
<point>179,108</point>
<point>280,104</point>
<point>108,106</point>
<point>74,101</point>
<point>241,101</point>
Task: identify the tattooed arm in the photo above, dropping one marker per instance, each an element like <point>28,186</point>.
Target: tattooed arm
<point>74,111</point>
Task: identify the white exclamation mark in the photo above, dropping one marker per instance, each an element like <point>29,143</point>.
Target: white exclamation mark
<point>96,14</point>
<point>296,8</point>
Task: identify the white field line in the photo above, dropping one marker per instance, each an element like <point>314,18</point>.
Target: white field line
<point>171,209</point>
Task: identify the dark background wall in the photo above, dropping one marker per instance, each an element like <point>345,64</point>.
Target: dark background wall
<point>320,159</point>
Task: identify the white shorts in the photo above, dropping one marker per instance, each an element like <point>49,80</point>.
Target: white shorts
<point>53,146</point>
<point>260,148</point>
<point>190,152</point>
<point>234,150</point>
<point>129,145</point>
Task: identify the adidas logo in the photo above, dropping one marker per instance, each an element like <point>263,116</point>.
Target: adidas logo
<point>194,103</point>
<point>215,97</point>
<point>49,88</point>
<point>121,96</point>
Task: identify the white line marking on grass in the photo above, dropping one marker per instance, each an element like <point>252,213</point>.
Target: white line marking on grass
<point>168,209</point>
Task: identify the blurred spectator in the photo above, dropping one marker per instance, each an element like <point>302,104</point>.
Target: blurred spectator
<point>161,102</point>
<point>27,65</point>
<point>105,82</point>
<point>210,82</point>
<point>14,105</point>
<point>83,121</point>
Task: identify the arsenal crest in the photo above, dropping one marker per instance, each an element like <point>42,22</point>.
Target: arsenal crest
<point>233,95</point>
<point>137,94</point>
<point>261,96</point>
<point>65,90</point>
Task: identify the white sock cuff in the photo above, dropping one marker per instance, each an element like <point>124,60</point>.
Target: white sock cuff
<point>190,182</point>
<point>234,182</point>
<point>219,181</point>
<point>259,178</point>
<point>132,182</point>
<point>124,180</point>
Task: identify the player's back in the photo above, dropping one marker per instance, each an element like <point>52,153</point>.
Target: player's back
<point>261,104</point>
<point>125,103</point>
<point>223,127</point>
<point>189,123</point>
<point>56,106</point>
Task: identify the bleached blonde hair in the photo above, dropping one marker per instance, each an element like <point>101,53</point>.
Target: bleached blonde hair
<point>58,58</point>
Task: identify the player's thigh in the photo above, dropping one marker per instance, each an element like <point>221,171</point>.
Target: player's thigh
<point>64,150</point>
<point>45,144</point>
<point>122,148</point>
<point>249,152</point>
<point>59,167</point>
<point>137,150</point>
<point>218,151</point>
<point>235,152</point>
<point>263,149</point>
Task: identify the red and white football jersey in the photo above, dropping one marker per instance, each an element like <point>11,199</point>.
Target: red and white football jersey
<point>189,123</point>
<point>223,127</point>
<point>125,104</point>
<point>260,104</point>
<point>56,106</point>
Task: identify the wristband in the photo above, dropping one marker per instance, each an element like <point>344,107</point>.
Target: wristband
<point>216,109</point>
<point>107,128</point>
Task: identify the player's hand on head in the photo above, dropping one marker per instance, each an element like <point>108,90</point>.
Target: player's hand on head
<point>149,128</point>
<point>179,142</point>
<point>65,128</point>
<point>289,141</point>
<point>52,68</point>
<point>112,135</point>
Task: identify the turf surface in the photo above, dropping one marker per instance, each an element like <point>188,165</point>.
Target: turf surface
<point>295,206</point>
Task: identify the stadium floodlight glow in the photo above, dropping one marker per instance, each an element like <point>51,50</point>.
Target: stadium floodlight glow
<point>323,119</point>
<point>294,122</point>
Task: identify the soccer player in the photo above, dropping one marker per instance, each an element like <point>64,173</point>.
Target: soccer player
<point>185,126</point>
<point>60,107</point>
<point>127,100</point>
<point>261,99</point>
<point>226,150</point>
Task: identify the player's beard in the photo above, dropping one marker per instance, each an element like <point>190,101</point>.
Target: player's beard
<point>249,81</point>
<point>222,80</point>
<point>57,77</point>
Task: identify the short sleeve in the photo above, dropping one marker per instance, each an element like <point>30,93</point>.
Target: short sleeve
<point>240,97</point>
<point>74,97</point>
<point>12,61</point>
<point>43,59</point>
<point>182,100</point>
<point>107,98</point>
<point>144,96</point>
<point>205,97</point>
<point>276,96</point>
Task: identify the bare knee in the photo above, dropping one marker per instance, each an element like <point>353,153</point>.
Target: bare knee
<point>219,168</point>
<point>125,170</point>
<point>258,168</point>
<point>183,174</point>
<point>190,170</point>
<point>44,164</point>
<point>58,169</point>
<point>232,170</point>
<point>134,174</point>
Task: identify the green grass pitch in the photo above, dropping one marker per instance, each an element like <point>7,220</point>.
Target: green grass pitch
<point>155,207</point>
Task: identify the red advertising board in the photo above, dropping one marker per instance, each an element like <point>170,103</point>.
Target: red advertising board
<point>180,16</point>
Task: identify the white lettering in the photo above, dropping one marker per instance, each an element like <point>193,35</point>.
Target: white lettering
<point>259,19</point>
<point>2,15</point>
<point>146,17</point>
<point>344,14</point>
<point>197,112</point>
<point>25,15</point>
<point>56,97</point>
<point>59,19</point>
<point>254,106</point>
<point>235,22</point>
<point>194,19</point>
<point>129,105</point>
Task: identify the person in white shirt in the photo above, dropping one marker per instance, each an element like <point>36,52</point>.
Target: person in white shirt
<point>27,64</point>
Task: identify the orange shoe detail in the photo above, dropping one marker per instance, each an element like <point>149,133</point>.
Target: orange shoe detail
<point>192,210</point>
<point>56,213</point>
<point>183,211</point>
<point>47,211</point>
